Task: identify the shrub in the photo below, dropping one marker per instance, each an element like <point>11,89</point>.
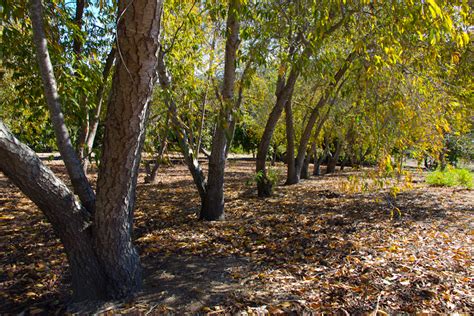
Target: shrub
<point>273,176</point>
<point>451,177</point>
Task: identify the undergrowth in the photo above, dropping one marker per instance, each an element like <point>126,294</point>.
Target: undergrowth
<point>451,177</point>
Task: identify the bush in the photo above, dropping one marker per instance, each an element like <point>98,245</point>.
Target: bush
<point>273,176</point>
<point>451,177</point>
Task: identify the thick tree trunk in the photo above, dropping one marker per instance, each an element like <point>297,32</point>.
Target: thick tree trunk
<point>283,93</point>
<point>138,29</point>
<point>69,220</point>
<point>213,205</point>
<point>292,177</point>
<point>103,261</point>
<point>73,165</point>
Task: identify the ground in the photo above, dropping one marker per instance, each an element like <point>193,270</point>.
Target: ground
<point>318,246</point>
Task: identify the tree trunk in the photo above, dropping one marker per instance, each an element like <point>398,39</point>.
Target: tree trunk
<point>442,158</point>
<point>152,175</point>
<point>304,170</point>
<point>283,93</point>
<point>213,206</point>
<point>103,261</point>
<point>320,160</point>
<point>73,165</point>
<point>314,153</point>
<point>292,177</point>
<point>69,220</point>
<point>138,28</point>
<point>343,163</point>
<point>204,99</point>
<point>317,164</point>
<point>315,112</point>
<point>190,159</point>
<point>332,163</point>
<point>77,49</point>
<point>77,41</point>
<point>94,118</point>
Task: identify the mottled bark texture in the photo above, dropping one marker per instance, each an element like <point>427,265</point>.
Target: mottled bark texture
<point>104,264</point>
<point>213,205</point>
<point>69,219</point>
<point>138,28</point>
<point>73,165</point>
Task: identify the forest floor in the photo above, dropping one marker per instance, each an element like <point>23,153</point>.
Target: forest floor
<point>315,246</point>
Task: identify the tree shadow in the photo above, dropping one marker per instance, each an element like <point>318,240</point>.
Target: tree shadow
<point>189,283</point>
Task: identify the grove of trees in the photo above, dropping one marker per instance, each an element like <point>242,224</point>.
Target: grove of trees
<point>333,82</point>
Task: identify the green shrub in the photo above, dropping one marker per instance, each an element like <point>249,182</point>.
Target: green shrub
<point>451,177</point>
<point>273,176</point>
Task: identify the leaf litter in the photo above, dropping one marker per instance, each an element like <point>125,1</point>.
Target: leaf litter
<point>312,247</point>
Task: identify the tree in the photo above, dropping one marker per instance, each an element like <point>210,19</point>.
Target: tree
<point>213,205</point>
<point>305,33</point>
<point>211,189</point>
<point>103,261</point>
<point>294,173</point>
